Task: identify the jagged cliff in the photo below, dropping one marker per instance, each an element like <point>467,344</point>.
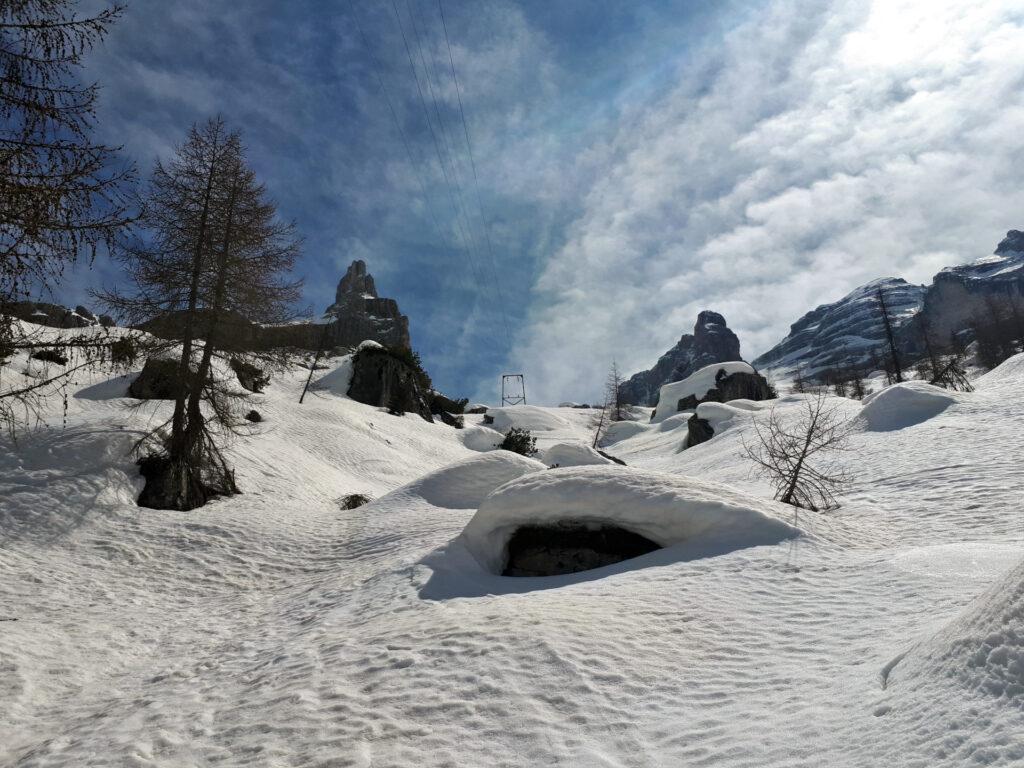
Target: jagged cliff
<point>711,342</point>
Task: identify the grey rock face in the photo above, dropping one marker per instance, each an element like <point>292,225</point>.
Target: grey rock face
<point>698,431</point>
<point>711,342</point>
<point>358,313</point>
<point>381,379</point>
<point>846,332</point>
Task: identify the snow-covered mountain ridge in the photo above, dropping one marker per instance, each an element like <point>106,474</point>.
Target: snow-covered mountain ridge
<point>848,331</point>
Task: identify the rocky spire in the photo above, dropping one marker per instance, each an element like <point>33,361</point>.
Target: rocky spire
<point>358,313</point>
<point>712,341</point>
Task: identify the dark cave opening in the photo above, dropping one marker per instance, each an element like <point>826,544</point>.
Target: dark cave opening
<point>571,547</point>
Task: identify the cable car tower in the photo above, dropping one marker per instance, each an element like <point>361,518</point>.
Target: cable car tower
<point>513,389</point>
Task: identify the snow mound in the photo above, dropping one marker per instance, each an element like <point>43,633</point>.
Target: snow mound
<point>465,484</point>
<point>481,438</point>
<point>982,650</point>
<point>622,430</point>
<point>675,421</point>
<point>528,417</point>
<point>338,379</point>
<point>697,384</point>
<point>573,455</point>
<point>707,518</point>
<point>1010,371</point>
<point>904,405</point>
<point>719,415</point>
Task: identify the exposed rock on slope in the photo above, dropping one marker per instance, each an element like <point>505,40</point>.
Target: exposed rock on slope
<point>716,383</point>
<point>845,332</point>
<point>711,342</point>
<point>381,378</point>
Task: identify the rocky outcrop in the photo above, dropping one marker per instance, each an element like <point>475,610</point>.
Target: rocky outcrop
<point>731,386</point>
<point>844,333</point>
<point>711,342</point>
<point>356,315</point>
<point>698,431</point>
<point>359,313</point>
<point>251,377</point>
<point>51,315</point>
<point>157,381</point>
<point>383,379</point>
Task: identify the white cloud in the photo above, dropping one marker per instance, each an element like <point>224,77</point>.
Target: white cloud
<point>818,147</point>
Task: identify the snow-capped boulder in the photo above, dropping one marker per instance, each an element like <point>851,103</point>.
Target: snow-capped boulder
<point>709,420</point>
<point>904,405</point>
<point>668,510</point>
<point>476,408</point>
<point>528,417</point>
<point>382,378</point>
<point>251,377</point>
<point>481,438</point>
<point>720,382</point>
<point>573,455</point>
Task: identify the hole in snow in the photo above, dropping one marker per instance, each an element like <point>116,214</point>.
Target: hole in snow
<point>570,547</point>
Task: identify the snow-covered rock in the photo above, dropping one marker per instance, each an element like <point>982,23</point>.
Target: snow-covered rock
<point>465,484</point>
<point>573,455</point>
<point>480,438</point>
<point>337,380</point>
<point>904,405</point>
<point>698,385</point>
<point>531,417</point>
<point>669,510</point>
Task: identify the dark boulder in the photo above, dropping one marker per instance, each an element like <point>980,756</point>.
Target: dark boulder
<point>50,356</point>
<point>251,377</point>
<point>254,416</point>
<point>698,431</point>
<point>441,404</point>
<point>382,378</point>
<point>157,381</point>
<point>354,500</point>
<point>477,409</point>
<point>732,386</point>
<point>85,313</point>
<point>106,321</point>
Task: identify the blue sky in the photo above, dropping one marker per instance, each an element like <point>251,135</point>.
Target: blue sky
<point>637,161</point>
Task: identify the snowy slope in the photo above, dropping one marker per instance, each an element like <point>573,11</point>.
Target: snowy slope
<point>274,628</point>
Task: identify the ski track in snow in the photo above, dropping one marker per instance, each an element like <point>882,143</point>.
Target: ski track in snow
<point>274,628</point>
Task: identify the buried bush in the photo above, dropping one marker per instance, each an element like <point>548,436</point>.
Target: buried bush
<point>519,441</point>
<point>354,500</point>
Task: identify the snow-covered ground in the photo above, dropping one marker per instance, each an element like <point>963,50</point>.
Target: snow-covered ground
<point>275,628</point>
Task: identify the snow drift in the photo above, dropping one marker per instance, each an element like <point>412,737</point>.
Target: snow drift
<point>668,510</point>
<point>528,417</point>
<point>903,405</point>
<point>573,455</point>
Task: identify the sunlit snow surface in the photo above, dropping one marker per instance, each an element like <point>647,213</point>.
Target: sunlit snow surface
<point>275,628</point>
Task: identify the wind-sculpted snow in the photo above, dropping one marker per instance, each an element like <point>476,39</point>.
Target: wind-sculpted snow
<point>528,417</point>
<point>573,455</point>
<point>707,518</point>
<point>903,405</point>
<point>276,628</point>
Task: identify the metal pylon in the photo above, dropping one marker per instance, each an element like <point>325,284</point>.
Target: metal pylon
<point>513,389</point>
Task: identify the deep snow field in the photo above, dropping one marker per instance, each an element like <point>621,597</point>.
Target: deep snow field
<point>275,628</point>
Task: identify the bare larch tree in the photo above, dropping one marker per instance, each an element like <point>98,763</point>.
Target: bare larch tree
<point>792,454</point>
<point>209,250</point>
<point>62,195</point>
<point>890,337</point>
